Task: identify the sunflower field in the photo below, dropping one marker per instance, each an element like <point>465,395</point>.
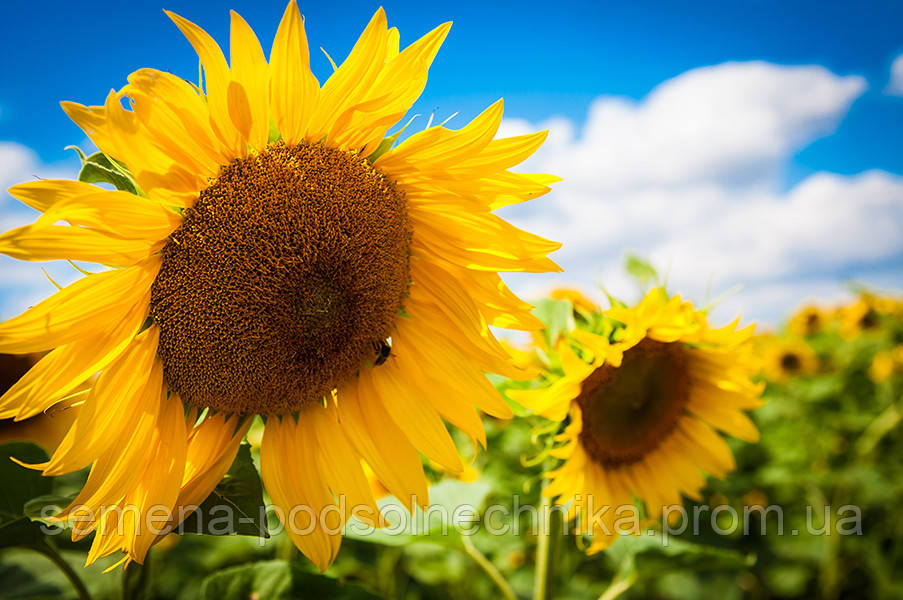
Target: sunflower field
<point>291,368</point>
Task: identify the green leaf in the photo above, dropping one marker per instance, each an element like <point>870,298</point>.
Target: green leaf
<point>19,487</point>
<point>277,580</point>
<point>100,168</point>
<point>641,270</point>
<point>20,484</point>
<point>23,533</point>
<point>652,555</point>
<point>558,316</point>
<point>453,505</point>
<point>38,508</point>
<point>235,506</point>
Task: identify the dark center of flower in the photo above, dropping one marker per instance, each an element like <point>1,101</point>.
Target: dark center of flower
<point>629,410</point>
<point>791,362</point>
<point>869,320</point>
<point>282,280</point>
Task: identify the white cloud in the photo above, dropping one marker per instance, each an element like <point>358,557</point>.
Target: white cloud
<point>895,85</point>
<point>690,177</point>
<point>735,120</point>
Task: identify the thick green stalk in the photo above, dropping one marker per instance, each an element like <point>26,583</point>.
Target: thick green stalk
<point>489,568</point>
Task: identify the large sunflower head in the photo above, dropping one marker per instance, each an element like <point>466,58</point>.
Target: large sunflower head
<point>274,254</point>
<point>643,402</point>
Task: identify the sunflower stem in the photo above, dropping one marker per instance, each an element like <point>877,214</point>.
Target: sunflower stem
<point>618,586</point>
<point>136,580</point>
<point>540,577</point>
<point>490,569</point>
<point>50,551</point>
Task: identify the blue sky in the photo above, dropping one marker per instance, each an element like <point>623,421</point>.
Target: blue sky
<point>552,62</point>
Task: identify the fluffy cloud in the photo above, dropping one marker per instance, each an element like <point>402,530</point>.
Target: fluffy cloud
<point>691,177</point>
<point>895,85</point>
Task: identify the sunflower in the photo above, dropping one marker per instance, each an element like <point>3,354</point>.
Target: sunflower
<point>886,363</point>
<point>882,367</point>
<point>278,257</point>
<point>858,317</point>
<point>642,407</point>
<point>808,321</point>
<point>784,358</point>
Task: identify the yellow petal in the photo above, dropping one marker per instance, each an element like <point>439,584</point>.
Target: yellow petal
<point>109,407</point>
<point>217,74</point>
<point>41,195</point>
<point>119,468</point>
<point>419,421</point>
<point>396,89</point>
<point>67,367</point>
<point>354,77</point>
<point>251,72</point>
<point>382,445</point>
<point>340,464</point>
<point>439,389</point>
<point>176,119</point>
<point>38,243</point>
<point>116,214</point>
<point>294,89</point>
<point>159,485</point>
<point>286,453</point>
<point>89,306</point>
<point>725,418</point>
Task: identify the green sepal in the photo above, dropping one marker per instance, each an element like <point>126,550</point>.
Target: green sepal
<point>273,135</point>
<point>384,146</point>
<point>100,168</point>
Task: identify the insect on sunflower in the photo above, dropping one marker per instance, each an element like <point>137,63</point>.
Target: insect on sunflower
<point>279,257</point>
<point>642,408</point>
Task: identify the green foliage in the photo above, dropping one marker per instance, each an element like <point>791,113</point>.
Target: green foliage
<point>277,580</point>
<point>641,270</point>
<point>100,168</point>
<point>423,527</point>
<point>558,317</point>
<point>242,492</point>
<point>20,485</point>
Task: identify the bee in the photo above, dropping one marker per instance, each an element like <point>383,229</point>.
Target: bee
<point>383,350</point>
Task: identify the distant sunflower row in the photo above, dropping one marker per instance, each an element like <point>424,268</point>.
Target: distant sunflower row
<point>870,317</point>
